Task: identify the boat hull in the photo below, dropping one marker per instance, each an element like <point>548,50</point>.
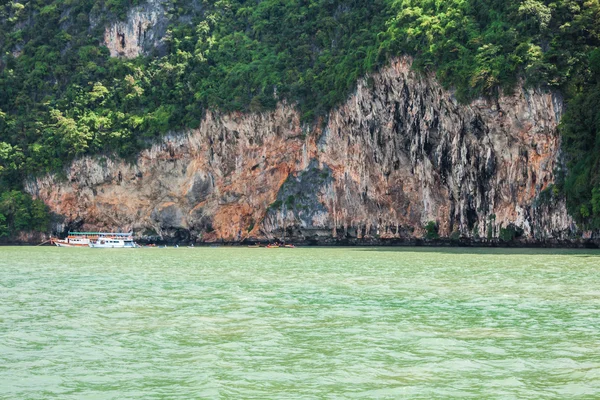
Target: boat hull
<point>71,245</point>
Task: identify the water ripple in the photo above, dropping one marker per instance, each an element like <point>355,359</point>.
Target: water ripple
<point>302,323</point>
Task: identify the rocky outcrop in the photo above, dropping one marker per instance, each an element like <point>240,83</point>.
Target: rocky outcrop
<point>399,153</point>
<point>140,33</point>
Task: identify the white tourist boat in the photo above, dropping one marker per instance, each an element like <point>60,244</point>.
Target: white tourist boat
<point>114,241</point>
<point>96,239</point>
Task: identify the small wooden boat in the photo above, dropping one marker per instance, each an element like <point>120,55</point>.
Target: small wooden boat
<point>71,241</point>
<point>289,246</point>
<point>273,246</point>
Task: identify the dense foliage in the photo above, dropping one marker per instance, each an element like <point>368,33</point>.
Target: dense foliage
<point>581,140</point>
<point>18,212</point>
<point>480,47</point>
<point>62,96</point>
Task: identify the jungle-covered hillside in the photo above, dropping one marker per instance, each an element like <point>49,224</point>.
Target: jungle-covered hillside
<point>62,95</point>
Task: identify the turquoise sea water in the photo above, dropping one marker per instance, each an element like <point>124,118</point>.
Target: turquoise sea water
<point>239,323</point>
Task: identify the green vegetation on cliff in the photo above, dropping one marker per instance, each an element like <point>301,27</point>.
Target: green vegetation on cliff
<point>18,212</point>
<point>62,96</point>
<point>581,140</point>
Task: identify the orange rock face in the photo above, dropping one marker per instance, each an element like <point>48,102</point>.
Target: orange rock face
<point>399,153</point>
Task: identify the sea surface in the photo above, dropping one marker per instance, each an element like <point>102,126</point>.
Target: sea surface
<point>314,323</point>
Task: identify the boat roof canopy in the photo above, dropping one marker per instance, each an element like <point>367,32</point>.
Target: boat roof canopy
<point>101,233</point>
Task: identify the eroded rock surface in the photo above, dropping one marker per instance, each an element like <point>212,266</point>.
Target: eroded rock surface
<point>140,33</point>
<point>399,153</point>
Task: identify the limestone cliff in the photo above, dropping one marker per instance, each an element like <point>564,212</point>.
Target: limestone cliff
<point>141,32</point>
<point>399,153</point>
